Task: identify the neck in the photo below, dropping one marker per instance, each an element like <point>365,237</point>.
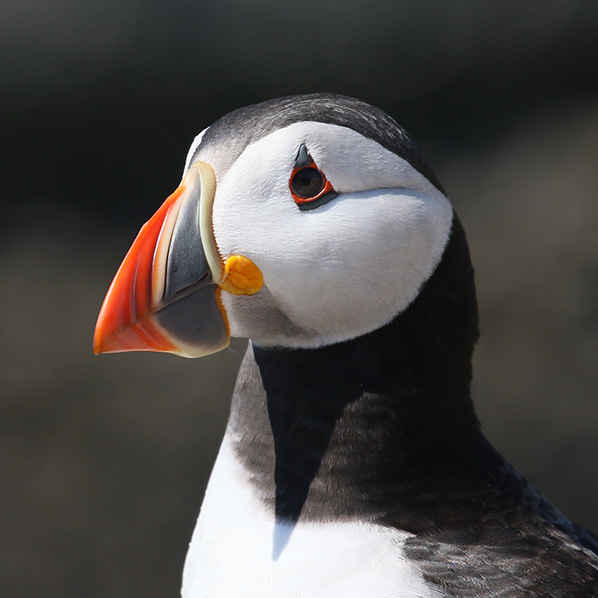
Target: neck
<point>357,429</point>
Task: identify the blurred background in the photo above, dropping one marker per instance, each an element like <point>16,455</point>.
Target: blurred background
<point>105,459</point>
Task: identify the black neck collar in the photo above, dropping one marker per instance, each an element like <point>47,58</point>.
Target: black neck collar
<point>357,429</point>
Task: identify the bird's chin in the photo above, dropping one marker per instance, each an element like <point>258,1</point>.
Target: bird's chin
<point>261,319</point>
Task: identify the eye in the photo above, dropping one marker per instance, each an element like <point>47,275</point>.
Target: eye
<point>308,184</point>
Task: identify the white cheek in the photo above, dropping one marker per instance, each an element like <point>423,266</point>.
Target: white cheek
<point>343,269</point>
<point>361,263</point>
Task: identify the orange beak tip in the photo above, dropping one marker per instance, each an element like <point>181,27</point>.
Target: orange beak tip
<point>100,343</point>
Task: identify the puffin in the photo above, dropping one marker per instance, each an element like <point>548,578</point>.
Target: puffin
<point>353,463</point>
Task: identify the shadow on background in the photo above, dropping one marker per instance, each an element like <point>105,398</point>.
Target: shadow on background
<point>105,459</point>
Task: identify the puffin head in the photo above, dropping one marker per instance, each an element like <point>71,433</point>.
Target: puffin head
<point>299,222</point>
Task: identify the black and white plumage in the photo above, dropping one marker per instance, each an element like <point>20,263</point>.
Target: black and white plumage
<point>353,463</point>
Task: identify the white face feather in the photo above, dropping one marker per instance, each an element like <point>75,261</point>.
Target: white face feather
<point>337,271</point>
<point>193,149</point>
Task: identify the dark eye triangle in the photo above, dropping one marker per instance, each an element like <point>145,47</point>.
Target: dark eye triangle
<point>303,158</point>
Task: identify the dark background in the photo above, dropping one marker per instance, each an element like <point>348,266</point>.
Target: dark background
<point>105,459</point>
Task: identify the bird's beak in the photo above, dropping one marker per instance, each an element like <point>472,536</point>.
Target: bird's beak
<point>166,293</point>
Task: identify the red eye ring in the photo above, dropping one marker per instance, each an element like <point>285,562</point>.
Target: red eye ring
<point>309,187</point>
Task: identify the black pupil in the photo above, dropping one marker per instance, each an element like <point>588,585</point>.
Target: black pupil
<point>307,182</point>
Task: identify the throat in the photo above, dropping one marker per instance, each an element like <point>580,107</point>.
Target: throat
<point>362,429</point>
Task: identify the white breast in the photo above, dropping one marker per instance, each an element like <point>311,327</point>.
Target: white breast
<point>238,550</point>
